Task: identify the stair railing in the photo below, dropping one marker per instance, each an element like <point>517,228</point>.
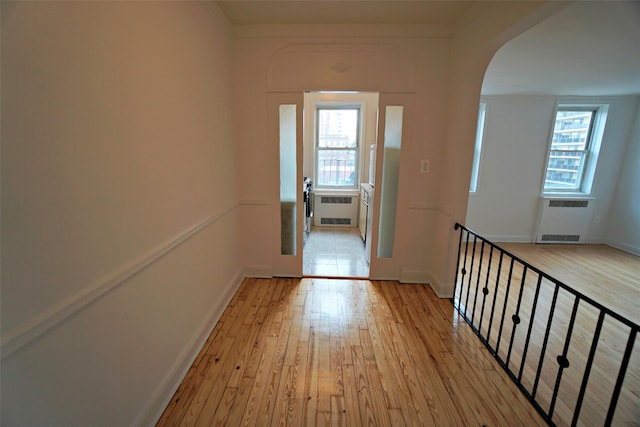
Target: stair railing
<point>574,359</point>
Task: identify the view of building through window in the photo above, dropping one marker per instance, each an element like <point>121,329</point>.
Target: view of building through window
<point>337,147</point>
<point>569,149</point>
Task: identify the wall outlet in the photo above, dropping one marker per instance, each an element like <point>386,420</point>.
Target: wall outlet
<point>425,165</point>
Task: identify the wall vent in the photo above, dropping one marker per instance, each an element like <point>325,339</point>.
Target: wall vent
<point>336,199</point>
<point>335,221</point>
<point>560,238</point>
<point>568,203</point>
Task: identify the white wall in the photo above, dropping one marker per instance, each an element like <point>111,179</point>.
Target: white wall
<point>506,204</point>
<point>119,208</point>
<point>623,226</point>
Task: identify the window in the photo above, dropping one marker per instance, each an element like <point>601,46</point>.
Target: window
<point>475,169</point>
<point>337,147</point>
<point>574,147</point>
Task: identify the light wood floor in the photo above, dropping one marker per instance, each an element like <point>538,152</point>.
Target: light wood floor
<point>609,276</point>
<point>306,352</point>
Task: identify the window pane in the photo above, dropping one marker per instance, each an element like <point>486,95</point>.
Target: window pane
<point>475,168</point>
<point>565,170</point>
<point>336,167</point>
<point>288,182</point>
<point>571,130</point>
<point>390,174</point>
<point>337,128</point>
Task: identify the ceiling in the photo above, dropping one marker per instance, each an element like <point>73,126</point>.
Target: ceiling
<point>247,12</point>
<point>588,48</point>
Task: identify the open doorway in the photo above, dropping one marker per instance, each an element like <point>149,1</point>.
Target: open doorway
<point>338,139</point>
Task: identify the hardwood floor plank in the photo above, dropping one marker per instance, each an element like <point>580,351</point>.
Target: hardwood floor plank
<point>221,415</point>
<point>310,403</point>
<point>325,380</point>
<point>260,381</point>
<point>338,418</point>
<point>351,404</point>
<point>240,402</point>
<point>298,396</point>
<point>365,399</point>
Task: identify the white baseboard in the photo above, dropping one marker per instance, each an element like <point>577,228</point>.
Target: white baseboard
<point>258,271</point>
<point>438,288</point>
<point>414,277</point>
<point>632,249</point>
<point>508,238</point>
<point>160,398</point>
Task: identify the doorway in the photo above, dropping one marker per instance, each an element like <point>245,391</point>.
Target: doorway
<point>340,129</point>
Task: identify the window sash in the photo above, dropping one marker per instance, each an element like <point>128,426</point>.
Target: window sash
<point>569,150</point>
<point>565,169</point>
<point>336,167</point>
<point>337,164</point>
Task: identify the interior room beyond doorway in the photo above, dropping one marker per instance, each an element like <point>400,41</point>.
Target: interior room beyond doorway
<point>339,133</point>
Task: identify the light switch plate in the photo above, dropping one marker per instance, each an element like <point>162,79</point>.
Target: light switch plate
<point>425,165</point>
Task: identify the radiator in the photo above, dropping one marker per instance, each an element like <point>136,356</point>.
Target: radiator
<point>565,221</point>
<point>335,211</point>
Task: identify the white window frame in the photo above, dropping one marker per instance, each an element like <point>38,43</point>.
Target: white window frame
<point>591,152</point>
<point>477,152</point>
<point>358,147</point>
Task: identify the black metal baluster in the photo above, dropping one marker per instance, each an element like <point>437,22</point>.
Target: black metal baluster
<point>531,320</point>
<point>473,257</point>
<point>545,341</point>
<point>485,290</point>
<point>516,317</point>
<point>475,298</point>
<point>621,375</point>
<point>464,269</point>
<point>504,308</point>
<point>587,369</point>
<point>495,294</point>
<point>563,362</point>
<point>455,284</point>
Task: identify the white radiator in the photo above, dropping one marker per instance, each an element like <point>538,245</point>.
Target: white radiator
<point>335,211</point>
<point>565,221</point>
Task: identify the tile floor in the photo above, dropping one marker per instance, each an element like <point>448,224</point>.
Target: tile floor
<point>334,252</point>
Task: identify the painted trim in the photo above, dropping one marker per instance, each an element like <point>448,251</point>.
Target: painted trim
<point>632,249</point>
<point>42,322</point>
<point>258,271</point>
<point>253,203</point>
<point>423,206</point>
<point>438,288</point>
<point>508,238</point>
<point>414,277</point>
<point>161,397</point>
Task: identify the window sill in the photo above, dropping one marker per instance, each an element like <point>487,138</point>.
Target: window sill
<point>568,195</point>
<point>333,191</point>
